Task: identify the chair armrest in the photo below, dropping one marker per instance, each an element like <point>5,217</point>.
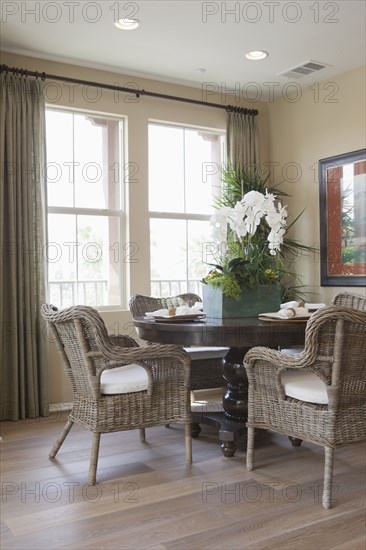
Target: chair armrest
<point>281,358</point>
<point>264,367</point>
<point>156,355</point>
<point>118,354</point>
<point>312,357</point>
<point>122,340</point>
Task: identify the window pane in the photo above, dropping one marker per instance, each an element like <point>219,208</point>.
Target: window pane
<point>202,175</point>
<point>166,169</point>
<point>82,161</point>
<point>199,234</point>
<point>163,264</point>
<point>62,260</point>
<point>177,263</point>
<point>84,266</point>
<point>96,176</point>
<point>98,261</point>
<point>59,133</point>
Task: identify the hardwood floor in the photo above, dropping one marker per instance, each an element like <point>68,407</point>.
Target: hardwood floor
<point>146,498</point>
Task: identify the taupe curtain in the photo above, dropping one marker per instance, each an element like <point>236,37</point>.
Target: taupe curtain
<point>242,139</point>
<point>23,386</point>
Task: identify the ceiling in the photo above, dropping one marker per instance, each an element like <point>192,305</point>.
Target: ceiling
<point>175,38</point>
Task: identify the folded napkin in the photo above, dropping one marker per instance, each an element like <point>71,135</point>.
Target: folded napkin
<point>286,305</point>
<point>292,309</point>
<point>158,312</point>
<point>185,310</point>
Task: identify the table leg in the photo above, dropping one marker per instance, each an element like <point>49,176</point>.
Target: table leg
<point>295,441</point>
<point>231,422</point>
<point>235,401</point>
<point>195,429</point>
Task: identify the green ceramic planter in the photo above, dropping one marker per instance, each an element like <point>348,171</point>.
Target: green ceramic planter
<point>263,299</point>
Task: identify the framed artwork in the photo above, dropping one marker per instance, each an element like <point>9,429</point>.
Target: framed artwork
<point>342,182</point>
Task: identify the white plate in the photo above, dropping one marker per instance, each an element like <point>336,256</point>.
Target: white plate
<point>177,318</point>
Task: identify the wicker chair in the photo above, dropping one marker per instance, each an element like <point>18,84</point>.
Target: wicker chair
<point>318,395</point>
<point>206,371</point>
<point>349,299</point>
<point>116,384</point>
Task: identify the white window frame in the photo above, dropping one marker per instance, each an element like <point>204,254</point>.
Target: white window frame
<point>184,216</point>
<point>120,212</point>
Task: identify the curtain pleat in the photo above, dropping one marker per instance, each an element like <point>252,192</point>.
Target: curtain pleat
<point>23,351</point>
<point>242,140</point>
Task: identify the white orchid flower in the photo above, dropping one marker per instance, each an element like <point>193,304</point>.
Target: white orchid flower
<point>245,217</point>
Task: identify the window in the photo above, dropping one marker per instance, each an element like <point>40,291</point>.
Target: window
<point>84,209</point>
<point>184,179</point>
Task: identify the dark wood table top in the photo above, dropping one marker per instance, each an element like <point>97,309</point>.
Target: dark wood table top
<point>244,332</point>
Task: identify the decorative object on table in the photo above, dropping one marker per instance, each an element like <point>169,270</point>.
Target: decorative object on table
<point>249,272</point>
<point>175,314</point>
<point>293,309</point>
<point>342,186</point>
<point>319,395</point>
<point>289,311</point>
<point>251,301</point>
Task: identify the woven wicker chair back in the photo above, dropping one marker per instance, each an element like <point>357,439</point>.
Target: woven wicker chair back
<point>140,304</point>
<point>347,299</point>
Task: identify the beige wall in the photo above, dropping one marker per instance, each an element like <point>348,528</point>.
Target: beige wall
<point>323,121</point>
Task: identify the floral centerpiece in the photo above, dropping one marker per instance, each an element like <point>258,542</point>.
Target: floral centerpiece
<point>251,253</point>
<point>248,238</point>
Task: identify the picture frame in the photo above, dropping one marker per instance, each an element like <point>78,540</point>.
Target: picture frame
<point>342,187</point>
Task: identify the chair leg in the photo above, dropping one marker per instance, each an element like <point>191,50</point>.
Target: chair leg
<point>328,477</point>
<point>53,452</point>
<point>188,442</point>
<point>94,459</point>
<point>142,435</point>
<point>250,448</point>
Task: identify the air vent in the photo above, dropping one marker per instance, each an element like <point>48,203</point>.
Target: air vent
<point>304,69</point>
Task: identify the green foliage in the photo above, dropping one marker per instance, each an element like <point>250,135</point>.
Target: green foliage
<point>250,264</point>
<point>239,181</point>
<point>353,254</point>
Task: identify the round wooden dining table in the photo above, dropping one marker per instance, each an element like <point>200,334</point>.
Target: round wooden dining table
<point>245,332</point>
<point>239,334</point>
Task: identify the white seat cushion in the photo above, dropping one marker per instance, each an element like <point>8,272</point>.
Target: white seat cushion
<point>209,400</point>
<point>196,353</point>
<point>126,379</point>
<point>305,386</point>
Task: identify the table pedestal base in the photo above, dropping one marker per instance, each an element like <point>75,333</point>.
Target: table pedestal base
<point>231,421</point>
<point>229,430</point>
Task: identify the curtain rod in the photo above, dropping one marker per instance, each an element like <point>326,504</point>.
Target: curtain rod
<point>43,76</point>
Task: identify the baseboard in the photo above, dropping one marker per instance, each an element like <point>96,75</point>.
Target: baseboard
<point>57,407</point>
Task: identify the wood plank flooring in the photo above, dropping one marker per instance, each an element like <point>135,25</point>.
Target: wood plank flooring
<point>146,498</point>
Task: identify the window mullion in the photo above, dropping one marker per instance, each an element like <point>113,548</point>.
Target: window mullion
<point>178,216</point>
<point>185,201</point>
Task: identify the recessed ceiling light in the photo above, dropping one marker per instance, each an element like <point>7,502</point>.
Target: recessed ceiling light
<point>256,55</point>
<point>127,24</point>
